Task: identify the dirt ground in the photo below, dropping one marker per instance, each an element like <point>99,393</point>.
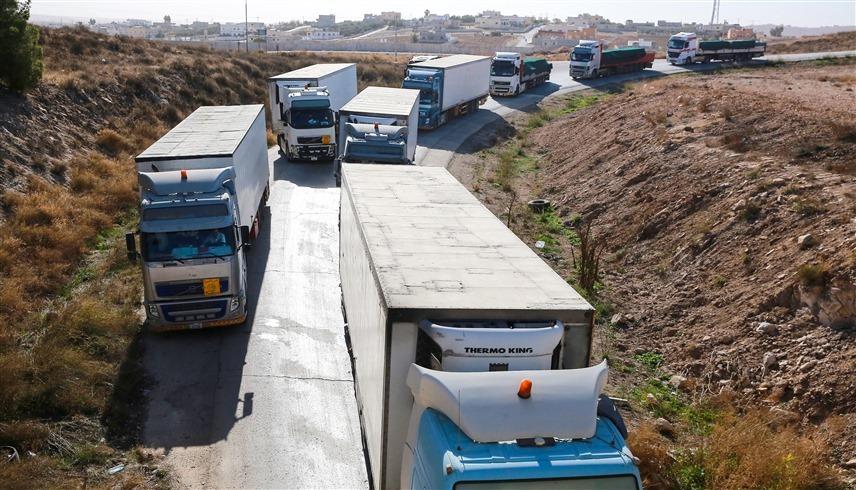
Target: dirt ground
<point>840,41</point>
<point>727,203</point>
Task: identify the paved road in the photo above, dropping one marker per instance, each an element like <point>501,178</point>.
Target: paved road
<point>271,404</point>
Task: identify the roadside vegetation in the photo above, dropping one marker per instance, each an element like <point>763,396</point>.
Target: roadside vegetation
<point>696,422</point>
<point>70,390</point>
<point>21,68</point>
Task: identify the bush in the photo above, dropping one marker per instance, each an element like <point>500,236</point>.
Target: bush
<point>21,68</point>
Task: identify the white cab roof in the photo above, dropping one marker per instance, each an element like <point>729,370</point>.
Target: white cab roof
<point>486,407</point>
<point>383,100</point>
<point>434,246</point>
<point>313,72</point>
<point>450,61</point>
<point>210,131</point>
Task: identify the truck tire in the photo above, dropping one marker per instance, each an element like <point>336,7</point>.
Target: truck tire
<point>517,90</point>
<point>690,61</point>
<point>279,144</point>
<point>606,409</point>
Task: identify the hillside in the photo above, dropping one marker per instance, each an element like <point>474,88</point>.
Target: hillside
<point>839,41</point>
<point>725,204</point>
<point>69,300</point>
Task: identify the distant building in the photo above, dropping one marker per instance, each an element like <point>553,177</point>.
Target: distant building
<point>740,33</point>
<point>138,23</point>
<point>316,34</point>
<point>665,24</point>
<point>641,43</point>
<point>494,20</point>
<point>239,29</point>
<point>433,36</point>
<point>562,35</point>
<point>278,36</point>
<point>390,16</point>
<point>326,21</point>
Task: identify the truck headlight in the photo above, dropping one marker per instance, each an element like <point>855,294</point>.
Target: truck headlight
<point>153,311</point>
<point>234,304</point>
<point>325,140</point>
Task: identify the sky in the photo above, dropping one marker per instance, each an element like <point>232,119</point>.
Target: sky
<point>805,13</point>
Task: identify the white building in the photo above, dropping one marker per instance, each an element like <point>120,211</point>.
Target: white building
<point>321,35</point>
<point>238,29</point>
<point>325,21</point>
<point>493,20</point>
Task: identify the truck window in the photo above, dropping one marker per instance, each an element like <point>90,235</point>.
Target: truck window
<point>503,69</point>
<point>191,244</point>
<point>581,55</point>
<point>621,482</point>
<point>677,44</point>
<point>310,118</point>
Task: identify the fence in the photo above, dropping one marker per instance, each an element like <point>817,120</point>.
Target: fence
<point>352,45</point>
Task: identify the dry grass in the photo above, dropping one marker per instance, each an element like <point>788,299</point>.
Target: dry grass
<point>752,450</point>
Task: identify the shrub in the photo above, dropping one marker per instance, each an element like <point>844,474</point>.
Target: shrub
<point>111,143</point>
<point>21,68</point>
<point>813,275</point>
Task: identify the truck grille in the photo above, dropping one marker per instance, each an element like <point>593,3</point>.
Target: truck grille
<point>194,312</point>
<point>309,140</point>
<point>186,288</point>
<point>674,54</point>
<point>501,83</point>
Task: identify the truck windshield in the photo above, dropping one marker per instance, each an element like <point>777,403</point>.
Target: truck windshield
<point>581,54</point>
<point>501,68</point>
<point>310,118</point>
<point>677,44</point>
<point>621,482</point>
<point>181,245</point>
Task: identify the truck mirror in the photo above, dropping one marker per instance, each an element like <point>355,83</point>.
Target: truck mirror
<point>131,245</point>
<point>245,236</point>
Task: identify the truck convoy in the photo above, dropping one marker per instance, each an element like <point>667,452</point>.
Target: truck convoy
<point>202,187</point>
<point>510,74</point>
<point>449,87</point>
<point>470,353</point>
<point>685,48</point>
<point>379,126</point>
<point>303,106</point>
<point>591,59</point>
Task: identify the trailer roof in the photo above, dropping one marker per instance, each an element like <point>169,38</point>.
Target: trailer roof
<point>312,72</point>
<point>450,61</point>
<point>436,247</point>
<point>210,131</point>
<point>383,100</point>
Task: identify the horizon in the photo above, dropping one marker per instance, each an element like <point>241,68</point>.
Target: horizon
<point>823,13</point>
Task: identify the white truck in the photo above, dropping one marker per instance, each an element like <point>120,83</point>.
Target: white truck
<point>511,74</point>
<point>470,353</point>
<point>202,186</point>
<point>304,104</point>
<point>449,87</point>
<point>379,125</point>
<point>686,48</point>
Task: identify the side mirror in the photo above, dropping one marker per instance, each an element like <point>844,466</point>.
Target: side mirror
<point>245,236</point>
<point>131,245</point>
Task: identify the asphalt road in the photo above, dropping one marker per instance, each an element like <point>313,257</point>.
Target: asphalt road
<point>271,404</point>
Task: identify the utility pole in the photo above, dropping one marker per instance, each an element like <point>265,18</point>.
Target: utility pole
<point>715,13</point>
<point>246,28</point>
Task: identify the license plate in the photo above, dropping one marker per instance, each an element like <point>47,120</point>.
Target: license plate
<point>195,325</point>
<point>211,287</point>
<point>313,158</point>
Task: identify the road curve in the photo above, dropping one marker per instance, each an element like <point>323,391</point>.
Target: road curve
<point>271,404</point>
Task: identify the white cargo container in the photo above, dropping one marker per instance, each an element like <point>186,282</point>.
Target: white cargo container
<point>430,276</point>
<point>304,104</point>
<point>450,86</point>
<point>386,107</point>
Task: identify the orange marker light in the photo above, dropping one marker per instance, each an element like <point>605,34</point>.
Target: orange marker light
<point>525,390</point>
<point>183,174</point>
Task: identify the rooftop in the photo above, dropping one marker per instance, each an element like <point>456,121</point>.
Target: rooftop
<point>450,61</point>
<point>383,100</point>
<point>313,71</point>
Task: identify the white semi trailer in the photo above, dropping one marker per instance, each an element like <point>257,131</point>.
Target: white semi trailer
<point>304,104</point>
<point>449,86</point>
<point>448,311</point>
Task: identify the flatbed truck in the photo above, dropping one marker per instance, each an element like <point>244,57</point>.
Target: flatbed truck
<point>511,74</point>
<point>685,48</point>
<point>591,59</point>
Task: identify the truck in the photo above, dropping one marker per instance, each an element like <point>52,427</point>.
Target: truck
<point>471,355</point>
<point>203,186</point>
<point>511,74</point>
<point>303,106</point>
<point>449,87</point>
<point>379,125</point>
<point>685,48</point>
<point>591,59</point>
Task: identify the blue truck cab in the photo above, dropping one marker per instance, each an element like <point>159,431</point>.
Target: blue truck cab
<point>429,82</point>
<point>449,87</point>
<point>457,415</point>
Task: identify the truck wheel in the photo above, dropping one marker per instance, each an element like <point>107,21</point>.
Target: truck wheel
<point>338,180</point>
<point>279,144</point>
<point>690,61</point>
<point>595,74</point>
<point>517,90</point>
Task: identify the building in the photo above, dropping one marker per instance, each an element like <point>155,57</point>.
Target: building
<point>641,43</point>
<point>278,36</point>
<point>239,29</point>
<point>562,35</point>
<point>316,34</point>
<point>493,20</point>
<point>391,16</point>
<point>326,21</point>
<point>432,36</point>
<point>740,33</point>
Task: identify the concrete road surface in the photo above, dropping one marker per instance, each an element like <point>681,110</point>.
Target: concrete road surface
<point>271,404</point>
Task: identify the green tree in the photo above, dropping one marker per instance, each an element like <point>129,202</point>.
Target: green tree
<point>21,68</point>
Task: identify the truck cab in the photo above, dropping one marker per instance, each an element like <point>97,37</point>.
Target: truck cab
<point>193,264</point>
<point>585,59</point>
<point>516,429</point>
<point>375,143</point>
<point>505,74</point>
<point>682,48</point>
<point>429,82</point>
<point>309,125</point>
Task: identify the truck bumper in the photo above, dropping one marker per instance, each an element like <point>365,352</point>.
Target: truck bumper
<point>192,315</point>
<point>312,152</point>
<point>501,90</point>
